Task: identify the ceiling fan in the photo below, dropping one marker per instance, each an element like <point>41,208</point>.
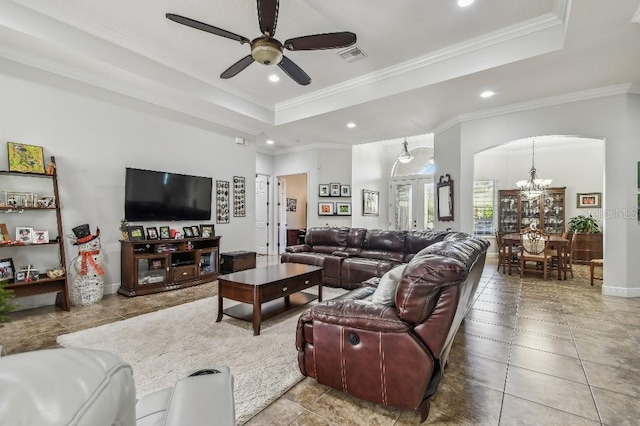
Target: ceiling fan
<point>266,49</point>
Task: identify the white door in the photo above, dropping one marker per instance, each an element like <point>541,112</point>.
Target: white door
<point>411,206</point>
<point>262,214</point>
<point>282,215</point>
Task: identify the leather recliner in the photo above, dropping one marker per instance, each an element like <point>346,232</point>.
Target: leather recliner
<point>69,386</point>
<point>394,355</point>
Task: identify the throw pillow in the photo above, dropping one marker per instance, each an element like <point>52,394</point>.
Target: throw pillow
<point>385,294</point>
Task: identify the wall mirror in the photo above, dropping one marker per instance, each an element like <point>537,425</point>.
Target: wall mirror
<point>445,198</point>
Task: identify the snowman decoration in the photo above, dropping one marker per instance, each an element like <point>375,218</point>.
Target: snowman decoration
<point>86,269</point>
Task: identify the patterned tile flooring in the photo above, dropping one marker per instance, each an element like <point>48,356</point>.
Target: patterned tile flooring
<point>530,352</point>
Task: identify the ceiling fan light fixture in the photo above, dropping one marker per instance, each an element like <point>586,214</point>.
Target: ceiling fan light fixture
<point>266,52</point>
<point>274,78</point>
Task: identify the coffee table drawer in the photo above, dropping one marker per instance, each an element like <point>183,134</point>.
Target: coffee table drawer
<point>294,285</point>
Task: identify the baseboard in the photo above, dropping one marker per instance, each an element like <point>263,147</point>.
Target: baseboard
<point>111,288</point>
<point>621,291</point>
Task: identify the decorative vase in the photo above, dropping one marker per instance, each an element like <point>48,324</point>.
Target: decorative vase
<point>125,236</point>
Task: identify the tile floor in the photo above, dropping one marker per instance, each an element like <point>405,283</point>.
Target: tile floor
<point>530,352</point>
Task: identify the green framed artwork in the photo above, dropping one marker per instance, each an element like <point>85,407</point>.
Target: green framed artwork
<point>25,158</point>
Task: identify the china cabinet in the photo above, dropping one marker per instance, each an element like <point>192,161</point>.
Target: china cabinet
<point>547,211</point>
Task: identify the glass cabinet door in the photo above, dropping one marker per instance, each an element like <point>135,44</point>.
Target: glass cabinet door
<point>152,269</point>
<point>208,261</point>
<point>530,209</point>
<point>554,212</point>
<point>508,208</point>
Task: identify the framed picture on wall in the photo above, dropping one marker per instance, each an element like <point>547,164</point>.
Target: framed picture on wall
<point>345,190</point>
<point>323,190</point>
<point>343,209</point>
<point>591,200</point>
<point>334,189</point>
<point>370,203</point>
<point>325,209</point>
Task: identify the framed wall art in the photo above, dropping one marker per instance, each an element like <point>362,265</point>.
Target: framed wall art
<point>291,204</point>
<point>325,209</point>
<point>222,201</point>
<point>323,190</point>
<point>239,209</point>
<point>343,209</point>
<point>334,189</point>
<point>592,200</point>
<point>345,190</point>
<point>25,158</point>
<point>370,203</point>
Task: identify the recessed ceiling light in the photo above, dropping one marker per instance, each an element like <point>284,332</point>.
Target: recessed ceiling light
<point>351,125</point>
<point>464,3</point>
<point>487,94</point>
<point>270,142</point>
<point>274,78</point>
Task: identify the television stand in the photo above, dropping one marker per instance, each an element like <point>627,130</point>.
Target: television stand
<point>145,271</point>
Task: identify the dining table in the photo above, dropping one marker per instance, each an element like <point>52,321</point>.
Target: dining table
<point>557,242</point>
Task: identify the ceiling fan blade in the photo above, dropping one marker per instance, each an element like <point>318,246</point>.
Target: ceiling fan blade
<point>237,67</point>
<point>321,41</point>
<point>206,27</point>
<point>294,71</point>
<point>268,16</point>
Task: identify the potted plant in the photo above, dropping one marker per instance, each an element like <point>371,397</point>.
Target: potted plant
<point>123,229</point>
<point>584,225</point>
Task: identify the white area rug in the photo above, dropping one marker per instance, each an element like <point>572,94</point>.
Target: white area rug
<point>167,345</point>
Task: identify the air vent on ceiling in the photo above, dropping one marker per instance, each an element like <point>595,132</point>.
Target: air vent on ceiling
<point>352,54</point>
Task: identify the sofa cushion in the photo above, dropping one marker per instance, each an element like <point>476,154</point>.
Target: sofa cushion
<point>385,294</point>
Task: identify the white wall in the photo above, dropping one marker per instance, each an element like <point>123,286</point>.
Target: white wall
<point>297,189</point>
<point>95,138</point>
<point>371,171</point>
<point>612,118</point>
<point>447,158</point>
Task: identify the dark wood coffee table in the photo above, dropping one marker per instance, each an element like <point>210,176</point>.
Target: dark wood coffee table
<point>269,291</point>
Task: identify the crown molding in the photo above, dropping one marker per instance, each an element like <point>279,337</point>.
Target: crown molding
<point>522,29</point>
<point>311,147</point>
<point>540,103</point>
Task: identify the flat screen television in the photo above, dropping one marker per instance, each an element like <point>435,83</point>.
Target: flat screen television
<point>153,196</point>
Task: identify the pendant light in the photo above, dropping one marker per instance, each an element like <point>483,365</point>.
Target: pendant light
<point>534,186</point>
<point>404,156</point>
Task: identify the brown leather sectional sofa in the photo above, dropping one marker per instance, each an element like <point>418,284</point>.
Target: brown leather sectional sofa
<point>395,355</point>
<point>350,256</point>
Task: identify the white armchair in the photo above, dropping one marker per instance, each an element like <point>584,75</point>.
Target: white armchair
<point>89,387</point>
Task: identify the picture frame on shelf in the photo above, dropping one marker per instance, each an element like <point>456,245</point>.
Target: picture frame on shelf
<point>323,190</point>
<point>46,202</point>
<point>370,203</point>
<point>152,233</point>
<point>24,234</point>
<point>40,236</point>
<point>7,269</point>
<point>343,209</point>
<point>25,158</point>
<point>195,230</point>
<point>187,231</point>
<point>207,231</point>
<point>591,200</point>
<point>135,232</point>
<point>334,189</point>
<point>325,208</point>
<point>345,190</point>
<point>165,232</point>
<point>4,233</point>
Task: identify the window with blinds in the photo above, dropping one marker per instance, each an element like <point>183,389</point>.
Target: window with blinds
<point>484,197</point>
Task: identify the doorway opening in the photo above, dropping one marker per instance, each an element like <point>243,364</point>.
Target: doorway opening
<point>291,210</point>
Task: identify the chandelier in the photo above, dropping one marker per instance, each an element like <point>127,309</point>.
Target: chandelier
<point>404,156</point>
<point>534,186</point>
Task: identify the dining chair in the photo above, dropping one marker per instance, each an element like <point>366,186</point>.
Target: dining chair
<point>503,252</point>
<point>535,248</point>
